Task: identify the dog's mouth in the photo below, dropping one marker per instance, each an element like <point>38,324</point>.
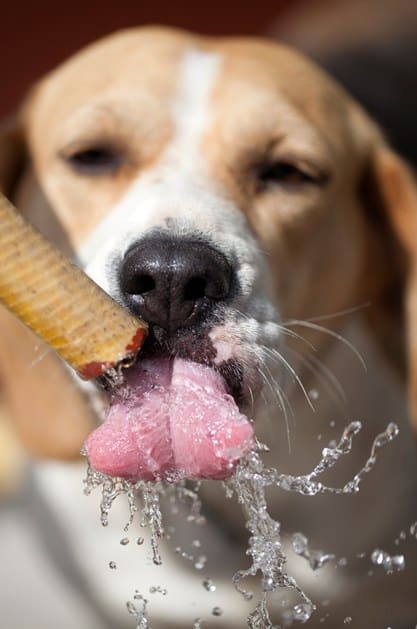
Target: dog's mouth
<point>174,417</point>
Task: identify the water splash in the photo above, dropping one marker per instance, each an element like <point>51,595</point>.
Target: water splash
<point>315,558</point>
<point>249,485</point>
<point>309,485</point>
<point>140,614</point>
<point>264,547</point>
<point>144,497</point>
<point>390,563</point>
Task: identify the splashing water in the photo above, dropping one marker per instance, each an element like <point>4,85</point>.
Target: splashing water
<point>249,485</point>
<point>265,549</point>
<point>315,558</point>
<point>139,614</point>
<point>390,563</point>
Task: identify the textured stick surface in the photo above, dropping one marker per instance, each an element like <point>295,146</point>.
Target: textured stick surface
<point>59,302</point>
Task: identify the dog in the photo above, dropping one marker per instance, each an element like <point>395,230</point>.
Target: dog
<point>288,222</point>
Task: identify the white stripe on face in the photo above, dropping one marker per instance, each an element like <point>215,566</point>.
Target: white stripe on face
<point>179,188</point>
<point>190,110</point>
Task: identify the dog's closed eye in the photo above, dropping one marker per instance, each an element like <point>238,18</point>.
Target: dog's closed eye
<point>95,160</point>
<point>288,174</point>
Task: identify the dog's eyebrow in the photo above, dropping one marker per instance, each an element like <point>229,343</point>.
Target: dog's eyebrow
<point>97,120</point>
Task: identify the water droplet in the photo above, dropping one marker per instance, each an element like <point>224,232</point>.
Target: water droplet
<point>316,558</point>
<point>125,541</point>
<point>342,562</point>
<point>217,611</point>
<point>209,585</point>
<point>196,543</point>
<point>140,541</point>
<point>413,533</point>
<point>389,563</point>
<point>313,394</point>
<point>302,612</point>
<point>268,584</point>
<point>299,543</point>
<point>112,565</point>
<point>198,623</point>
<point>131,609</point>
<point>332,424</point>
<point>154,589</point>
<point>347,620</point>
<point>200,563</point>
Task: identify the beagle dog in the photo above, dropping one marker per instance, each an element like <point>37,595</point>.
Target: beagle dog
<point>286,226</point>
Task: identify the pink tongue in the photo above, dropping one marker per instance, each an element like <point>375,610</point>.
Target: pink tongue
<point>172,419</point>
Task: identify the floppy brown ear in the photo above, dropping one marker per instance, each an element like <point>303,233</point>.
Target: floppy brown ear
<point>50,414</point>
<point>397,189</point>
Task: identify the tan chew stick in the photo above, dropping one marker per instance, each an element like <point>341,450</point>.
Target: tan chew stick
<point>63,306</point>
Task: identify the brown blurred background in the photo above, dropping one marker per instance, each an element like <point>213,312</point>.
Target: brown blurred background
<point>36,35</point>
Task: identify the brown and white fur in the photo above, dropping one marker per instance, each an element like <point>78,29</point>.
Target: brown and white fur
<point>249,145</point>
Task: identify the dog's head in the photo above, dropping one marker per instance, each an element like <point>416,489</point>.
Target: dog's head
<point>217,188</point>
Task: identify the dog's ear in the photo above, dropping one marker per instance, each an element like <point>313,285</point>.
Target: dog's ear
<point>50,414</point>
<point>398,187</point>
<point>391,195</point>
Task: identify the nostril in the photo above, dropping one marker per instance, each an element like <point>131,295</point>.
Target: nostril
<point>174,282</point>
<point>195,289</point>
<point>139,285</point>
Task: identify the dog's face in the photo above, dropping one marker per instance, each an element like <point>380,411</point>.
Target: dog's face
<point>214,187</point>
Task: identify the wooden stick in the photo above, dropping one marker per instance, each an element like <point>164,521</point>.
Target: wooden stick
<point>63,306</point>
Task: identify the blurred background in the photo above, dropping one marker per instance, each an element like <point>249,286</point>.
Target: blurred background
<point>38,34</point>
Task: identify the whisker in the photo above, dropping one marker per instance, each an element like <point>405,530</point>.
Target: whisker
<point>284,402</point>
<point>340,313</point>
<point>331,376</point>
<point>252,399</point>
<point>336,335</point>
<point>295,335</point>
<point>278,394</point>
<point>324,375</point>
<point>275,353</point>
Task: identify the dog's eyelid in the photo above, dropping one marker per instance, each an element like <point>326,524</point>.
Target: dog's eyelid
<point>315,167</point>
<point>292,171</point>
<point>93,158</point>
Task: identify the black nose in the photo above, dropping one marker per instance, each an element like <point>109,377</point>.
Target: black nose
<point>173,282</point>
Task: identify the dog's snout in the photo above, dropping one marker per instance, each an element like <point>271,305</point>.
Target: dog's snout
<point>172,282</point>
